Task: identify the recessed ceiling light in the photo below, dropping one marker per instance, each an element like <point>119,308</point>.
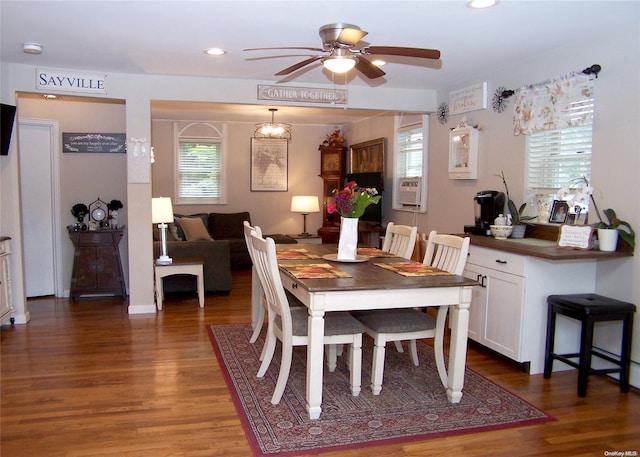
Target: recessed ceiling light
<point>32,48</point>
<point>378,62</point>
<point>478,4</point>
<point>215,51</point>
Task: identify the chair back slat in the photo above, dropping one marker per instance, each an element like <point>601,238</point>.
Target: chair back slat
<point>447,252</point>
<point>247,236</point>
<point>400,240</point>
<point>266,263</point>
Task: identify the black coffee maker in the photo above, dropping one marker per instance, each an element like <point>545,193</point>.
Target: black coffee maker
<point>488,205</point>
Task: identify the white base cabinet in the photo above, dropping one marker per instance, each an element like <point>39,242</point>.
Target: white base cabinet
<point>509,309</point>
<point>6,308</point>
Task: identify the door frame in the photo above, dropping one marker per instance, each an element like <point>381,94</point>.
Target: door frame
<point>54,129</point>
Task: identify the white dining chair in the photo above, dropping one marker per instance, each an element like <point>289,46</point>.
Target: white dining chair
<point>400,240</point>
<point>445,252</point>
<point>289,324</point>
<point>256,290</point>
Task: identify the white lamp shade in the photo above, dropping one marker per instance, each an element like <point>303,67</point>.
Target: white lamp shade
<point>161,210</point>
<point>305,204</point>
<point>339,64</point>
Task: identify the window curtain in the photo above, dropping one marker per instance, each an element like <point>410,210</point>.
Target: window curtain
<point>559,103</point>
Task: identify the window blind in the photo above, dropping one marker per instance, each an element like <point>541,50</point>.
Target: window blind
<point>410,149</point>
<point>199,170</point>
<point>556,158</point>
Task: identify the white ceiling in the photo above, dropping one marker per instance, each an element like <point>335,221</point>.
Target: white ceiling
<point>168,37</point>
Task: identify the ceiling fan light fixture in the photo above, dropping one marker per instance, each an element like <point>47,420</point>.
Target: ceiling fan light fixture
<point>339,64</point>
<point>479,4</point>
<point>273,129</point>
<point>379,62</point>
<point>215,51</point>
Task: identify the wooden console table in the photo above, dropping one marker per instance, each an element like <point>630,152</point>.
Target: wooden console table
<point>97,269</point>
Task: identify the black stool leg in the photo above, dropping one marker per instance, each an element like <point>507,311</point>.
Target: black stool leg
<point>625,353</point>
<point>551,332</point>
<point>584,365</point>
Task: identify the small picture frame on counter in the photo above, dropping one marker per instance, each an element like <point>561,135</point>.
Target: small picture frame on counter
<point>559,212</point>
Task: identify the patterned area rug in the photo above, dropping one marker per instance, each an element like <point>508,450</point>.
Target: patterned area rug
<point>412,405</point>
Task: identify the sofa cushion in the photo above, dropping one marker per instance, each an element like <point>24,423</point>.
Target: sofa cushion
<point>194,229</point>
<point>228,225</point>
<point>180,232</point>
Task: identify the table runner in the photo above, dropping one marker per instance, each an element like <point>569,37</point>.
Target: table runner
<point>412,269</point>
<point>314,270</point>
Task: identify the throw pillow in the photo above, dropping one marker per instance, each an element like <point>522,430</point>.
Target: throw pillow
<point>194,229</point>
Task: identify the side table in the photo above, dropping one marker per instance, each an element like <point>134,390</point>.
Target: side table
<point>185,266</point>
<point>310,239</point>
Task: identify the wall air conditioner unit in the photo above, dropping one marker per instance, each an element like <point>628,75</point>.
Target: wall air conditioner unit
<point>409,191</point>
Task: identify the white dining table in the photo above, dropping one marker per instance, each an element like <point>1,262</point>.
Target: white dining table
<point>372,287</point>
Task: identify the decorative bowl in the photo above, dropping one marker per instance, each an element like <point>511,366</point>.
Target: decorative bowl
<point>501,232</point>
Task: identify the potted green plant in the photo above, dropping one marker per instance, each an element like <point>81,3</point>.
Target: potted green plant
<point>610,228</point>
<point>517,214</point>
<point>518,218</point>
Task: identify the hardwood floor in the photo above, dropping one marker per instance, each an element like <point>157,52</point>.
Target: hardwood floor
<point>87,379</point>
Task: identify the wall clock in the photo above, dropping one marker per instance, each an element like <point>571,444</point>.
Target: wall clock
<point>443,113</point>
<point>98,211</point>
<point>331,161</point>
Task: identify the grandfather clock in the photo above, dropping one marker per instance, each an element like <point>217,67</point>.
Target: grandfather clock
<point>333,160</point>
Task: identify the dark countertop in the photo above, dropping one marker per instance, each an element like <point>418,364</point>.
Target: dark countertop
<point>4,238</point>
<point>545,249</point>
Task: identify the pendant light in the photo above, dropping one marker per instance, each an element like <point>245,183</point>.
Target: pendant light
<point>273,129</point>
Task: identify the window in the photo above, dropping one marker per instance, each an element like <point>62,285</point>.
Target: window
<point>199,167</point>
<point>556,158</point>
<point>410,162</point>
<point>410,151</point>
<point>559,158</point>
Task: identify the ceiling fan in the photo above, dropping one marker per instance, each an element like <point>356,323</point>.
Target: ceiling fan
<point>341,53</point>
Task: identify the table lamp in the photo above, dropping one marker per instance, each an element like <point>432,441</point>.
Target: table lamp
<point>161,213</point>
<point>305,204</point>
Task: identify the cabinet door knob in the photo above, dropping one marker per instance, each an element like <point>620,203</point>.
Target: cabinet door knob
<point>501,261</point>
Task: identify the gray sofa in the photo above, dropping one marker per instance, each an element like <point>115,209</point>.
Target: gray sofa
<point>225,252</point>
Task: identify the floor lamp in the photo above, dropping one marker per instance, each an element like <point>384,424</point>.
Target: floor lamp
<point>161,214</point>
<point>305,204</point>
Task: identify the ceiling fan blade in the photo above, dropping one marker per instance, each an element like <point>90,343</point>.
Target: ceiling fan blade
<point>351,36</point>
<point>400,51</point>
<point>297,66</point>
<point>368,69</point>
<point>300,47</point>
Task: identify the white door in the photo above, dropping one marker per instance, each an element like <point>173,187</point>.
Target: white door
<point>37,174</point>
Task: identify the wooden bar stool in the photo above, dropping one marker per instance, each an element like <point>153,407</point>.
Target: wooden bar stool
<point>589,309</point>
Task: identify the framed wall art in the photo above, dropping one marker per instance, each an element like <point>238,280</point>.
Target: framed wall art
<point>269,165</point>
<point>367,156</point>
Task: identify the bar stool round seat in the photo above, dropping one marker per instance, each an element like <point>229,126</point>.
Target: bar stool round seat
<point>589,309</point>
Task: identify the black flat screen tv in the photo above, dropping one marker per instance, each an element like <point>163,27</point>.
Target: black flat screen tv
<point>373,213</point>
<point>7,115</point>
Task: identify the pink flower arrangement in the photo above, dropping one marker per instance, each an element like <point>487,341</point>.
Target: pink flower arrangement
<point>353,200</point>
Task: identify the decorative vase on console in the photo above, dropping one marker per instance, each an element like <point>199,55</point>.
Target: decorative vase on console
<point>350,203</point>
